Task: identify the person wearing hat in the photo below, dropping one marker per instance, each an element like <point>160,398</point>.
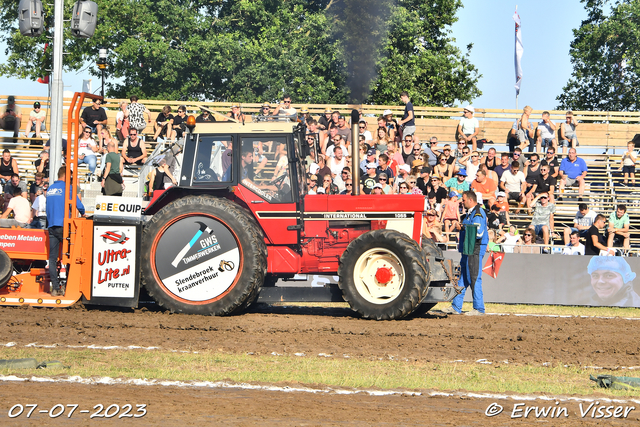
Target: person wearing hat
<point>324,120</point>
<point>36,121</point>
<point>612,282</point>
<point>469,127</point>
<point>377,189</point>
<point>458,183</point>
<point>431,226</point>
<point>11,116</point>
<point>391,124</point>
<point>235,113</point>
<point>370,158</point>
<point>304,116</point>
<point>312,184</point>
<point>503,207</point>
<point>285,108</point>
<point>205,117</point>
<point>408,122</point>
<point>370,179</point>
<point>403,175</point>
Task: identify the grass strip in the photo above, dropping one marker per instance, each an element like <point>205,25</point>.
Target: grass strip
<point>553,310</point>
<point>314,370</point>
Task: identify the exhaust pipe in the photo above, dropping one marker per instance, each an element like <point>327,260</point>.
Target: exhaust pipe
<point>355,153</point>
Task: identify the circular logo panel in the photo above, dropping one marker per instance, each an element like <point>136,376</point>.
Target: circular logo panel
<point>197,258</point>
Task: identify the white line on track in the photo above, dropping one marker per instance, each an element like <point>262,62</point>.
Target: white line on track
<point>244,386</point>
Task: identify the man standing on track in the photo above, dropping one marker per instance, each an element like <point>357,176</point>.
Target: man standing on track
<point>55,217</point>
<point>472,248</point>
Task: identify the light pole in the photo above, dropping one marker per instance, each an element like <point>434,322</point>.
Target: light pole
<point>102,64</point>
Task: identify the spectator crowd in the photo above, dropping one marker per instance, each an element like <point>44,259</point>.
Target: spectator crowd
<point>393,161</point>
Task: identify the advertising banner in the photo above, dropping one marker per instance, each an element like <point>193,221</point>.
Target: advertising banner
<point>114,261</point>
<point>197,258</point>
<point>24,240</point>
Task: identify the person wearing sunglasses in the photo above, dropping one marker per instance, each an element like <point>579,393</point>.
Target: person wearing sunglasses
<point>285,108</point>
<point>329,186</point>
<point>94,117</point>
<point>528,243</point>
<point>383,180</point>
<point>403,188</point>
<point>458,183</point>
<point>362,130</point>
<point>471,162</point>
<point>542,219</point>
<point>348,186</point>
<point>87,149</point>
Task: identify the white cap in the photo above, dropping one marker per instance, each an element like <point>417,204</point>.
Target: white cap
<point>378,185</point>
<point>314,168</point>
<point>405,167</point>
<point>320,190</point>
<point>371,165</point>
<point>386,112</point>
<point>479,197</point>
<point>501,194</point>
<point>470,108</point>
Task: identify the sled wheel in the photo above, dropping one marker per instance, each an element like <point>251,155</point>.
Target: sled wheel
<point>202,255</point>
<point>6,268</point>
<point>383,275</point>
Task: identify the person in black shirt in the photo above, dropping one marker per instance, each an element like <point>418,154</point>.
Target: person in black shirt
<point>94,117</point>
<point>205,117</point>
<point>179,122</point>
<point>595,241</point>
<point>552,161</point>
<point>163,122</point>
<point>408,123</point>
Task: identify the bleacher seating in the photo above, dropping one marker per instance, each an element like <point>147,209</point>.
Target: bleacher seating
<point>602,135</point>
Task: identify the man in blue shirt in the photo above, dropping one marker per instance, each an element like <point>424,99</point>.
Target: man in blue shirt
<point>470,267</point>
<point>573,169</point>
<point>55,217</point>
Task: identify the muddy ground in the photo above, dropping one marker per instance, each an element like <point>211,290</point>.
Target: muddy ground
<point>608,343</point>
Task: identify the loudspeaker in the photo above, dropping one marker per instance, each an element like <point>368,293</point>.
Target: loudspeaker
<point>84,19</point>
<point>30,18</point>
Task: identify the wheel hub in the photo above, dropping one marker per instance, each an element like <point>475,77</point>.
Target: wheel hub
<point>384,275</point>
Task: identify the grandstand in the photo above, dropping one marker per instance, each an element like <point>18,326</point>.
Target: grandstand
<point>602,135</point>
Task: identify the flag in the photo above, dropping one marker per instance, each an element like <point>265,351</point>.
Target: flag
<point>518,51</point>
<point>493,264</point>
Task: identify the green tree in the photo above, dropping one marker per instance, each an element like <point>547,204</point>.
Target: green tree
<point>419,57</point>
<point>605,58</point>
<point>257,50</point>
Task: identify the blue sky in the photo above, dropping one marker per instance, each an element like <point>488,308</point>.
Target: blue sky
<point>547,31</point>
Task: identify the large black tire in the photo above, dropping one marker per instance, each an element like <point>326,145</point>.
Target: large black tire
<point>200,283</point>
<point>430,248</point>
<point>379,250</point>
<point>6,268</point>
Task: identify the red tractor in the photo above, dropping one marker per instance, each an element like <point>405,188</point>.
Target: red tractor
<point>239,220</point>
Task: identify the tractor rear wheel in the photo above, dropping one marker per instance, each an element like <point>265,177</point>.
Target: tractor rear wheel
<point>430,247</point>
<point>383,275</point>
<point>203,255</point>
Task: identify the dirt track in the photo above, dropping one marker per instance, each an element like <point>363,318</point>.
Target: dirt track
<point>607,343</point>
